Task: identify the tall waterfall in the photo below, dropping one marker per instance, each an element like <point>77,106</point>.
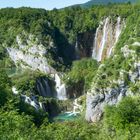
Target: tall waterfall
<point>106,37</point>
<point>60,88</point>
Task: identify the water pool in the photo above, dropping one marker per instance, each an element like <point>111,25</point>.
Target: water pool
<point>66,117</point>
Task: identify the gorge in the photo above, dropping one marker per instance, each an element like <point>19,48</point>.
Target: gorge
<point>72,71</point>
<point>32,56</point>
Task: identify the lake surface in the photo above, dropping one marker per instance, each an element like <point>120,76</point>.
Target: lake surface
<point>66,117</point>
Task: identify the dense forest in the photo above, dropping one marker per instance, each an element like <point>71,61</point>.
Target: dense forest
<point>58,31</point>
<point>102,2</point>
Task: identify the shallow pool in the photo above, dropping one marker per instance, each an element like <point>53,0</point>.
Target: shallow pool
<point>66,117</point>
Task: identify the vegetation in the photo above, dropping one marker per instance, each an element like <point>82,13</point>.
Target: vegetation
<point>57,27</point>
<point>81,75</point>
<point>102,2</point>
<point>18,120</point>
<point>120,122</point>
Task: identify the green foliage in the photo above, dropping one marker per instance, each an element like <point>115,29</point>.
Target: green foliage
<point>107,2</point>
<point>124,118</point>
<point>19,120</point>
<point>82,71</point>
<point>26,81</point>
<point>14,126</point>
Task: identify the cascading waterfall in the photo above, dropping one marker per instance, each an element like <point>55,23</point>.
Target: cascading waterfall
<point>117,34</point>
<point>94,52</point>
<point>106,37</point>
<point>99,55</point>
<point>77,109</point>
<point>76,49</point>
<point>29,100</point>
<point>44,88</point>
<point>47,87</point>
<point>41,89</point>
<point>60,88</point>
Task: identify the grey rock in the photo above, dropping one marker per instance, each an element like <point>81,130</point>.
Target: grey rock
<point>95,104</point>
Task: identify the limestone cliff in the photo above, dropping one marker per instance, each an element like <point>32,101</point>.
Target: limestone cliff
<point>30,54</point>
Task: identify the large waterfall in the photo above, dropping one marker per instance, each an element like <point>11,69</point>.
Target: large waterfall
<point>45,89</point>
<point>106,37</point>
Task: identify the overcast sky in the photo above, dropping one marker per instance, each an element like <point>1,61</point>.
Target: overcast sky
<point>47,4</point>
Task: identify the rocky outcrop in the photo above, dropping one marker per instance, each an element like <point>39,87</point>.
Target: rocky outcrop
<point>109,96</point>
<point>107,35</point>
<point>31,55</point>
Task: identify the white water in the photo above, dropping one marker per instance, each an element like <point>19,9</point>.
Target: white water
<point>47,88</point>
<point>77,109</point>
<point>106,37</point>
<point>14,90</point>
<point>99,56</point>
<point>44,88</point>
<point>32,101</point>
<point>117,34</point>
<point>60,88</point>
<point>94,52</point>
<point>41,89</point>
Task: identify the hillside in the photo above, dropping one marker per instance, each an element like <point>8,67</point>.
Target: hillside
<point>105,2</point>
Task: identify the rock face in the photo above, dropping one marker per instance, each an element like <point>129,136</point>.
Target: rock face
<point>31,55</point>
<point>98,98</point>
<point>95,104</point>
<point>107,35</point>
